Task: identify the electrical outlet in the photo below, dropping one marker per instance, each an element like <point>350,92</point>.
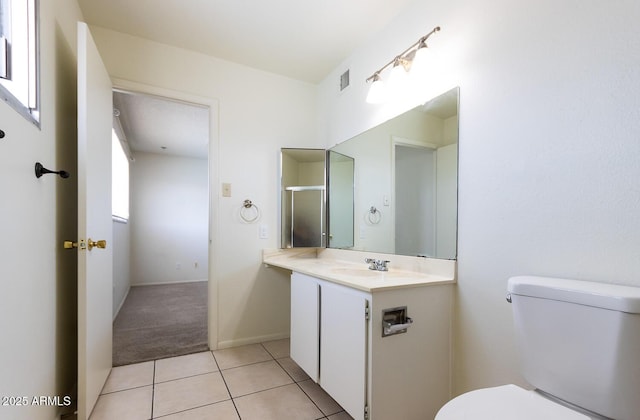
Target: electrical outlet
<point>264,231</point>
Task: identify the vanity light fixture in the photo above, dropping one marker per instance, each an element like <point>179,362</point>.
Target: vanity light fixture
<point>414,56</point>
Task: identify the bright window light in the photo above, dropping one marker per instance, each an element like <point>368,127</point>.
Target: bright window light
<point>119,180</point>
<point>19,57</point>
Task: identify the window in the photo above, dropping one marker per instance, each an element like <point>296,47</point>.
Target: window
<point>19,61</point>
<point>119,180</point>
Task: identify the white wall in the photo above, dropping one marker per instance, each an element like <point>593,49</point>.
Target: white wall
<point>169,218</point>
<point>258,114</point>
<point>549,128</point>
<point>121,263</point>
<point>38,297</point>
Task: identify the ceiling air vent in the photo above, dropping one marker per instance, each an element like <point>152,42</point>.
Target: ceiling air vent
<point>344,80</point>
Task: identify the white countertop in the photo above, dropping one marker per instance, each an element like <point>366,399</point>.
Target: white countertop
<point>329,266</point>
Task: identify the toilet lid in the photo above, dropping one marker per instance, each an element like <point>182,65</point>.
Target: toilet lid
<point>505,402</point>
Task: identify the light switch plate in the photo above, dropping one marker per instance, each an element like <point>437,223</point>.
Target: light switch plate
<point>226,189</point>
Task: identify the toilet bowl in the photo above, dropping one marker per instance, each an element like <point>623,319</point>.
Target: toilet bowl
<point>508,402</point>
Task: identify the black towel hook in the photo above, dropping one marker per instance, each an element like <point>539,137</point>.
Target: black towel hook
<point>41,170</point>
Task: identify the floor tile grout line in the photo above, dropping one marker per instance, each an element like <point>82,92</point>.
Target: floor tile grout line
<point>324,415</point>
<point>187,377</point>
<point>267,350</point>
<point>263,390</point>
<point>226,386</point>
<point>191,408</point>
<point>248,364</point>
<point>255,363</point>
<point>125,389</point>
<point>272,357</point>
<point>153,387</point>
<point>311,399</point>
<point>287,372</point>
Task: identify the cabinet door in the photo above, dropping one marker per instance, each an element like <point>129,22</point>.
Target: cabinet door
<point>305,318</point>
<point>343,347</point>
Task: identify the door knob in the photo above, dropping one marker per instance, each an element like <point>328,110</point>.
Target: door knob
<point>82,245</point>
<point>98,244</point>
<point>72,245</point>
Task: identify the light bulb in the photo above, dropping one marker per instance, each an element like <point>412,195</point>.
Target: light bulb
<point>421,60</point>
<point>377,92</point>
<point>397,80</point>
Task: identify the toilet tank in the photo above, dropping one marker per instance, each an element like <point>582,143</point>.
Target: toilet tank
<point>580,341</point>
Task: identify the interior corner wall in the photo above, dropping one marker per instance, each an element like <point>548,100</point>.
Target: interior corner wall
<point>169,219</point>
<point>38,319</point>
<point>121,264</point>
<point>259,113</point>
<point>548,153</point>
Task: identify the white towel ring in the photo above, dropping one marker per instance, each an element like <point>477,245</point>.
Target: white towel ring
<point>249,212</point>
<point>373,216</point>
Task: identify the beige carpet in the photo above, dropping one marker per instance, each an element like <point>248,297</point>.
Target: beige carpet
<point>161,321</point>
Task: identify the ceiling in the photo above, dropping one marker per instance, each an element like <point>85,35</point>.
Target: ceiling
<point>443,106</point>
<point>153,124</point>
<point>303,40</point>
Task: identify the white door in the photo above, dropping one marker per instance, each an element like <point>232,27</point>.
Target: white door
<point>305,328</point>
<point>343,347</point>
<point>95,269</point>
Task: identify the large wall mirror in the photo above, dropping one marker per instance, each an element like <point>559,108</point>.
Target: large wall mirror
<point>406,182</point>
<point>392,189</point>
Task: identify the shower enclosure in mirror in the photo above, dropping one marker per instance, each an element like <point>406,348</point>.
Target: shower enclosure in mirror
<point>316,192</point>
<point>303,198</point>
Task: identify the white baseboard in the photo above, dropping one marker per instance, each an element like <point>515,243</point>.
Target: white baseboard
<point>121,303</point>
<point>169,282</point>
<point>251,340</point>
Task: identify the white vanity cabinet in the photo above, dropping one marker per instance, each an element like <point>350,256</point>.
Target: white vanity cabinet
<point>305,324</point>
<point>336,337</point>
<point>343,346</point>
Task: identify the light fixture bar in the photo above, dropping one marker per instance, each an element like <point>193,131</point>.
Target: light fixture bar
<point>400,57</point>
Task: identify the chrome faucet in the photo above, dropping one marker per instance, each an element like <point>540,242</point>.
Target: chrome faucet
<point>378,265</point>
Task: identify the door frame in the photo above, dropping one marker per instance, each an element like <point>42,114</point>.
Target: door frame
<point>214,177</point>
<point>397,141</point>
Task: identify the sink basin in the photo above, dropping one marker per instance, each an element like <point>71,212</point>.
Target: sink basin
<point>356,271</point>
<point>365,272</point>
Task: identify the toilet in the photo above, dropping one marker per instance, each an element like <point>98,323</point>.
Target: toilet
<point>579,344</point>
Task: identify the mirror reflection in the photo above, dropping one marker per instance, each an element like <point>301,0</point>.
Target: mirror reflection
<point>406,176</point>
<point>302,198</point>
<point>340,202</point>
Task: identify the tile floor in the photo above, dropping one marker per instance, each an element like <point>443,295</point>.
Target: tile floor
<point>257,381</point>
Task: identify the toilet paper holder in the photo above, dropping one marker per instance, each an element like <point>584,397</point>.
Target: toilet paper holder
<point>395,321</point>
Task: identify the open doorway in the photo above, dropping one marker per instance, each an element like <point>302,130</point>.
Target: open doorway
<point>415,187</point>
<point>161,251</point>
